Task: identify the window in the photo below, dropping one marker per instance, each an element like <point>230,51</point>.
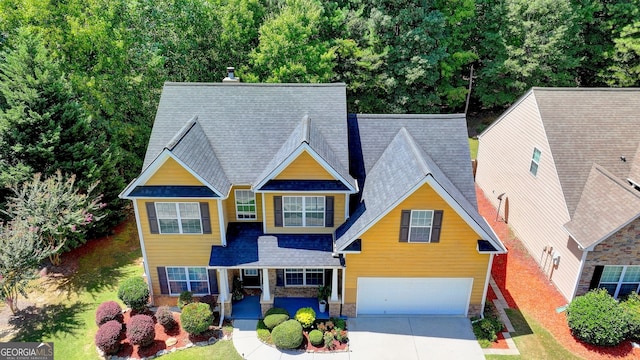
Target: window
<point>303,277</point>
<point>620,280</point>
<point>420,228</point>
<point>535,161</point>
<point>250,272</point>
<point>245,205</point>
<point>179,218</point>
<point>194,279</point>
<point>303,210</point>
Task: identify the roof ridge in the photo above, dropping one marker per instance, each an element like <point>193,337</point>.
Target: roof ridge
<point>623,184</point>
<point>416,151</point>
<point>175,140</point>
<point>306,128</point>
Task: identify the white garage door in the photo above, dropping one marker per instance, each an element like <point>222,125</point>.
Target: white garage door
<point>405,296</point>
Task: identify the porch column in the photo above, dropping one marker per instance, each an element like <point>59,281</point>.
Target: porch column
<point>266,295</point>
<point>334,285</point>
<point>224,285</point>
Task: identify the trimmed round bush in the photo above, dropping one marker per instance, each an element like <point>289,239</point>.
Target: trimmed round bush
<point>107,311</point>
<point>287,335</point>
<point>277,311</point>
<point>315,337</point>
<point>632,307</point>
<point>141,330</point>
<point>164,315</point>
<point>135,293</point>
<point>273,320</point>
<point>186,297</point>
<point>196,318</point>
<point>306,316</point>
<point>597,318</point>
<point>108,337</point>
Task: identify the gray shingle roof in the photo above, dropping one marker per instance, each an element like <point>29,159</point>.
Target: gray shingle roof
<point>634,174</point>
<point>606,204</point>
<point>243,122</point>
<point>192,147</point>
<point>587,126</point>
<point>401,167</point>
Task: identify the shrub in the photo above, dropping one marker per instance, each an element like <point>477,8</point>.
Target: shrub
<point>141,330</point>
<point>108,337</point>
<point>341,335</point>
<point>321,327</point>
<point>287,335</point>
<point>597,318</point>
<point>486,330</point>
<point>306,317</point>
<point>107,311</point>
<point>196,318</point>
<point>632,307</point>
<point>339,323</point>
<point>135,293</point>
<point>263,332</point>
<point>329,325</point>
<point>274,320</point>
<point>328,340</point>
<point>315,337</point>
<point>209,300</point>
<point>276,311</point>
<point>164,315</point>
<point>186,297</point>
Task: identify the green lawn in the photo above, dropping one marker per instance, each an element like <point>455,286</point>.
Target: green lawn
<point>533,341</point>
<point>473,146</point>
<point>68,316</point>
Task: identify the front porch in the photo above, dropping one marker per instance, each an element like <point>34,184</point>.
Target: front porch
<point>249,307</point>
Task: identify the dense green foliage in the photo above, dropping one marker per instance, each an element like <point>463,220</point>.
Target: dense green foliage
<point>196,318</point>
<point>631,306</point>
<point>80,80</point>
<point>134,292</point>
<point>276,310</point>
<point>597,318</point>
<point>315,337</point>
<point>273,320</point>
<point>287,335</point>
<point>185,298</point>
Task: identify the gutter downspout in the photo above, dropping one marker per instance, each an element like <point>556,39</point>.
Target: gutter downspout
<point>486,286</point>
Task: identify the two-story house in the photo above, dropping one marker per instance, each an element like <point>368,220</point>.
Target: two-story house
<point>275,185</point>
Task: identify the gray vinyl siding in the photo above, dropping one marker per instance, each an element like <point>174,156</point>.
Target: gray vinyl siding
<point>537,208</point>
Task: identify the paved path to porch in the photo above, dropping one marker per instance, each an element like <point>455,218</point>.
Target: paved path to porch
<point>380,338</point>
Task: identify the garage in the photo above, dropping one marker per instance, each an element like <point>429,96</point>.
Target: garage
<point>413,296</point>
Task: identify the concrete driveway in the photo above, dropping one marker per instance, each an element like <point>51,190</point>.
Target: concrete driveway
<point>412,338</point>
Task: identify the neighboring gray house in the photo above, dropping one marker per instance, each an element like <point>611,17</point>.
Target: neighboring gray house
<point>563,166</point>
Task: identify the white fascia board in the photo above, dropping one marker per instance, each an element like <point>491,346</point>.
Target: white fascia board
<point>294,155</point>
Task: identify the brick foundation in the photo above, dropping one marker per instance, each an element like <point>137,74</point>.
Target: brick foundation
<point>349,310</point>
<point>309,292</point>
<point>474,310</point>
<point>334,308</point>
<point>165,300</point>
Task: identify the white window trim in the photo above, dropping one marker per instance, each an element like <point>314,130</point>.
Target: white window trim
<point>304,212</point>
<point>188,281</point>
<point>179,218</point>
<point>304,278</point>
<point>249,272</point>
<point>255,206</point>
<point>415,226</point>
<point>533,161</point>
<point>620,281</point>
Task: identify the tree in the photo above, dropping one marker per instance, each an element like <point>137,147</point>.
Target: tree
<point>625,71</point>
<point>56,210</point>
<point>21,250</point>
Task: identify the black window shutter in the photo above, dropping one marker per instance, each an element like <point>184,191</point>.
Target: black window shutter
<point>279,277</point>
<point>595,280</point>
<point>206,218</point>
<point>162,278</point>
<point>213,281</point>
<point>328,211</point>
<point>153,219</point>
<point>436,226</point>
<point>277,208</point>
<point>405,218</point>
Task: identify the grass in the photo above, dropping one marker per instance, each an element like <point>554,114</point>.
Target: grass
<point>473,146</point>
<point>67,317</point>
<point>221,350</point>
<point>533,341</point>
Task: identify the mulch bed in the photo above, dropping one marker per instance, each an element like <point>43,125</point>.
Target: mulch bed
<point>500,343</point>
<point>309,347</point>
<point>526,288</point>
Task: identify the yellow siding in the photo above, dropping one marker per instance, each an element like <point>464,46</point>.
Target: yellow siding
<point>338,215</point>
<point>384,256</point>
<point>172,173</point>
<point>304,167</point>
<point>177,249</point>
<point>230,205</point>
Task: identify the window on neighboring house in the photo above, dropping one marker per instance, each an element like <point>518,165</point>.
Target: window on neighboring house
<point>179,218</point>
<point>194,279</point>
<point>620,280</point>
<point>420,228</point>
<point>303,210</point>
<point>535,161</point>
<point>303,277</point>
<point>245,205</point>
